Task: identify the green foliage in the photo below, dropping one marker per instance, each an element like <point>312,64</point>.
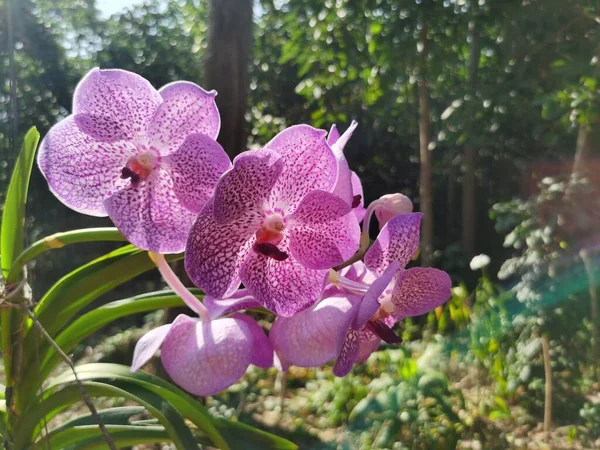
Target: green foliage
<point>413,409</point>
<point>13,213</point>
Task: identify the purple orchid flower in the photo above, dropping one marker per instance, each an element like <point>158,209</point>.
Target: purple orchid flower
<point>348,185</point>
<point>207,355</point>
<point>274,225</point>
<point>146,158</point>
<point>365,301</point>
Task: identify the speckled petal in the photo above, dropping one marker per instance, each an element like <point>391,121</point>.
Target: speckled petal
<point>240,300</point>
<point>215,252</point>
<point>247,186</point>
<point>186,109</point>
<point>205,358</point>
<point>348,355</point>
<point>147,346</point>
<point>340,143</point>
<point>81,171</point>
<point>370,302</point>
<point>343,185</point>
<point>262,349</point>
<point>323,232</point>
<point>149,214</point>
<point>284,287</point>
<point>334,135</point>
<point>366,347</point>
<point>315,336</point>
<point>115,99</point>
<point>309,165</point>
<point>420,290</point>
<point>357,189</point>
<point>196,168</point>
<point>398,241</point>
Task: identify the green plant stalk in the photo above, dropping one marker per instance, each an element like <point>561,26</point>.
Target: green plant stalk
<point>59,240</point>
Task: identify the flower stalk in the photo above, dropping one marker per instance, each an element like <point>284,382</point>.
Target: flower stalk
<point>177,286</point>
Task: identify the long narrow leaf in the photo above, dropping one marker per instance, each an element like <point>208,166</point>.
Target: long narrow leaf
<point>168,416</point>
<point>185,404</point>
<point>71,294</point>
<point>92,321</point>
<point>237,435</point>
<point>90,438</point>
<point>59,240</point>
<point>12,237</point>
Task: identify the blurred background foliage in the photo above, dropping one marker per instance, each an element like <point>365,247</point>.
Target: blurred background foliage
<point>512,123</point>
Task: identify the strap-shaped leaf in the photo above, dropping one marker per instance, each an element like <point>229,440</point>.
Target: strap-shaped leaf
<point>115,373</point>
<point>92,321</point>
<point>69,295</point>
<point>59,240</point>
<point>12,237</point>
<point>89,437</point>
<point>168,416</point>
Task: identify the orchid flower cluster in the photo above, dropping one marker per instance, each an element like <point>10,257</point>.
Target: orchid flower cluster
<point>283,221</point>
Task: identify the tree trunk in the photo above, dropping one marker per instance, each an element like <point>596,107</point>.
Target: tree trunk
<point>425,190</point>
<point>594,317</point>
<point>547,384</point>
<point>469,210</point>
<point>226,67</point>
<point>587,139</point>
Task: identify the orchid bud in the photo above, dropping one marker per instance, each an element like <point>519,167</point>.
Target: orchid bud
<point>392,205</point>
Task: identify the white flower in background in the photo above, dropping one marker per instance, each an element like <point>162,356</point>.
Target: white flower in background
<point>479,262</point>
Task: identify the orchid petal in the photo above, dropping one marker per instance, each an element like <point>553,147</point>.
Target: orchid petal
<point>149,214</point>
<point>186,109</point>
<point>357,189</point>
<point>323,233</point>
<point>147,346</point>
<point>343,185</point>
<point>370,303</point>
<point>205,358</point>
<point>315,336</point>
<point>366,347</point>
<point>283,287</point>
<point>262,349</point>
<point>340,143</point>
<point>196,168</point>
<point>348,355</point>
<point>398,241</point>
<point>246,187</point>
<point>115,104</point>
<point>420,290</point>
<point>240,300</point>
<point>309,165</point>
<point>333,136</point>
<point>81,171</point>
<point>215,252</point>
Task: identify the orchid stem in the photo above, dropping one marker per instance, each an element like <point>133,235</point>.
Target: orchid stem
<point>177,286</point>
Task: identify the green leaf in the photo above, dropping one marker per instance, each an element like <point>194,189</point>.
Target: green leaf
<point>159,407</point>
<point>241,436</point>
<point>89,437</point>
<point>72,293</point>
<point>59,240</point>
<point>92,321</point>
<point>225,434</point>
<point>114,373</point>
<point>12,236</point>
<point>111,416</point>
